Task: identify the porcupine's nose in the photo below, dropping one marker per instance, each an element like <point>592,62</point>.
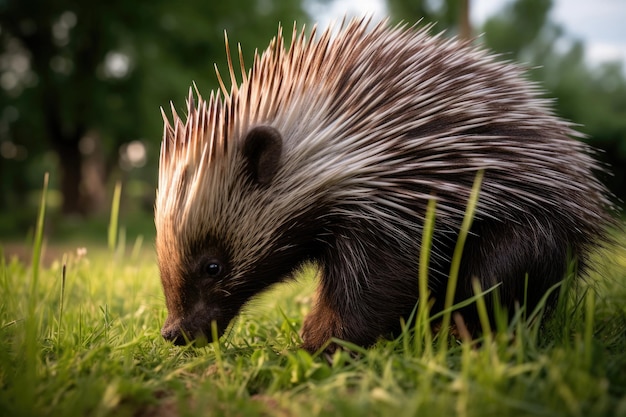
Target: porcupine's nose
<point>174,334</point>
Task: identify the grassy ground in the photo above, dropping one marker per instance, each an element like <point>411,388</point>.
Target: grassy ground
<point>86,343</point>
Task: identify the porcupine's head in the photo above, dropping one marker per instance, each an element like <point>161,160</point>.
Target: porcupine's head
<point>228,222</point>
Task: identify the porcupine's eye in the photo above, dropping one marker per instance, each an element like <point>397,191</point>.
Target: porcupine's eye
<point>214,268</point>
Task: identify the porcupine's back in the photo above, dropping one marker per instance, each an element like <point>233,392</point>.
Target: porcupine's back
<point>388,119</point>
<point>371,125</point>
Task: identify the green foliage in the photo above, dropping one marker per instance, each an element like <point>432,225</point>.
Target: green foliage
<point>445,14</point>
<point>526,19</point>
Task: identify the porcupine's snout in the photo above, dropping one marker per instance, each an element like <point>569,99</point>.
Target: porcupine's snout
<point>172,332</point>
<point>196,327</point>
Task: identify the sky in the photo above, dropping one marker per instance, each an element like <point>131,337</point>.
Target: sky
<point>600,24</point>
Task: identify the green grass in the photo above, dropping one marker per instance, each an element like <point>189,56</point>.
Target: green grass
<point>80,337</point>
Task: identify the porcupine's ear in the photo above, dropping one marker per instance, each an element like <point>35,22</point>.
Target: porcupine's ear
<point>262,149</point>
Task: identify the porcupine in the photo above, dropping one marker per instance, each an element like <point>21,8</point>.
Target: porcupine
<point>329,150</point>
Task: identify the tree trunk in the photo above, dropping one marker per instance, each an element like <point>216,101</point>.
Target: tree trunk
<point>65,140</point>
<point>70,162</point>
<point>465,26</point>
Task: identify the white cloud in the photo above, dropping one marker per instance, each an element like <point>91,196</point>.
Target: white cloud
<point>334,11</point>
<point>600,24</point>
<point>601,52</point>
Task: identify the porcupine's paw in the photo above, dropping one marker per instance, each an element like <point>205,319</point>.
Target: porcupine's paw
<point>321,325</point>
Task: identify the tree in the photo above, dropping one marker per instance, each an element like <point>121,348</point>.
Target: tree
<point>77,73</point>
<point>451,15</point>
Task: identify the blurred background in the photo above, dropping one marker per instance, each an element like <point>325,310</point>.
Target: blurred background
<point>81,84</point>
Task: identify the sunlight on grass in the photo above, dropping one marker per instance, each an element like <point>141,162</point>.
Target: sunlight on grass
<point>81,336</point>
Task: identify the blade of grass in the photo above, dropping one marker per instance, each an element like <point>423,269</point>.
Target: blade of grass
<point>483,314</point>
<point>219,362</point>
<point>38,241</point>
<point>136,248</point>
<point>120,250</point>
<point>590,305</point>
<point>28,377</point>
<point>456,257</point>
<point>113,222</point>
<point>422,323</point>
<point>63,272</point>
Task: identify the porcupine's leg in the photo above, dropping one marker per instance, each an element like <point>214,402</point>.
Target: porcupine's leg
<point>321,324</point>
<point>504,255</point>
<point>329,318</point>
<point>361,296</point>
